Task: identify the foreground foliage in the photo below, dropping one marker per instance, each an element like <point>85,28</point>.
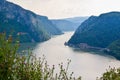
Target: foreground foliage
<point>16,67</point>
<point>111,74</point>
<point>21,67</point>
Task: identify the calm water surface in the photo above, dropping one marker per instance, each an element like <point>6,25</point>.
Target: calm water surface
<point>85,64</point>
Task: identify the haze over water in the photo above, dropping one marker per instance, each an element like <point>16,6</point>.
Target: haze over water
<point>85,64</point>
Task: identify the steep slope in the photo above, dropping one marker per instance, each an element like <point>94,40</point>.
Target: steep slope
<point>14,19</point>
<point>68,24</point>
<point>98,31</point>
<point>49,26</point>
<point>115,49</point>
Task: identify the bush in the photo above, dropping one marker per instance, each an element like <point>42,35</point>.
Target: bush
<point>21,67</point>
<point>111,74</point>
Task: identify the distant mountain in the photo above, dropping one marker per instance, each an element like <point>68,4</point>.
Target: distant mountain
<point>77,19</point>
<point>68,24</point>
<point>30,26</point>
<point>65,25</point>
<point>98,31</point>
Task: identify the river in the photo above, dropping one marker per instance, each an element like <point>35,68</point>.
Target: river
<point>85,64</point>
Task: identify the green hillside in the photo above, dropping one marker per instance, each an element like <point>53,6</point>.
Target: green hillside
<point>30,26</point>
<point>99,32</point>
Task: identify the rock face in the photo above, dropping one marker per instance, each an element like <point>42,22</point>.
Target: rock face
<point>98,31</point>
<point>30,26</point>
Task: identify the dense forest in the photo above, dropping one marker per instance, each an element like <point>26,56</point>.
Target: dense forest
<point>29,26</point>
<point>99,31</point>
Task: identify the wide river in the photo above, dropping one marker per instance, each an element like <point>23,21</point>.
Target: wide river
<point>85,64</point>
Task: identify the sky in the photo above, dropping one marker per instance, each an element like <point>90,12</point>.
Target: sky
<point>57,9</point>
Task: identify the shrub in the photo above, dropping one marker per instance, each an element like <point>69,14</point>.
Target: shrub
<point>111,74</point>
<point>21,67</point>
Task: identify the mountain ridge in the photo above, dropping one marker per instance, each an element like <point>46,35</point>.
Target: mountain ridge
<point>29,24</point>
<point>68,24</point>
<point>98,31</point>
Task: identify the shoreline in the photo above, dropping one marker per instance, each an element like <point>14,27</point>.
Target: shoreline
<point>96,50</point>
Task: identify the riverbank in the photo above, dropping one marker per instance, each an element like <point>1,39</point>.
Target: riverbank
<point>101,51</point>
<point>89,65</point>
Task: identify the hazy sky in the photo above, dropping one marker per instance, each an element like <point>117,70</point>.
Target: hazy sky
<point>69,8</point>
